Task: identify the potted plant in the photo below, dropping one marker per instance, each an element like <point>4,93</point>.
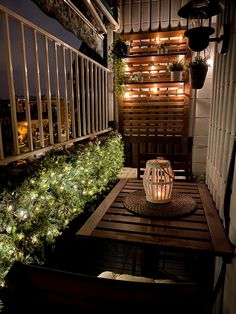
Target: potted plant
<point>120,48</point>
<point>176,69</point>
<point>138,77</point>
<point>198,68</point>
<point>161,49</point>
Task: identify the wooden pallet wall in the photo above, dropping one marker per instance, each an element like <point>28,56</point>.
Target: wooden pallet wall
<point>154,105</point>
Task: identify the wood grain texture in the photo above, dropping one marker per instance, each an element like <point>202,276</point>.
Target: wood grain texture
<point>200,231</point>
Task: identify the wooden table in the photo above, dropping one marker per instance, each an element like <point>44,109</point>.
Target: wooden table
<point>200,232</point>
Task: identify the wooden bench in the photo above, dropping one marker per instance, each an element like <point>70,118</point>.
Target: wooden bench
<point>36,289</point>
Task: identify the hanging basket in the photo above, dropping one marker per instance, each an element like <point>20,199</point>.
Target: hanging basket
<point>198,75</point>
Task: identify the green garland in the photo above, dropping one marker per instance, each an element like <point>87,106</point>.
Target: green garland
<point>36,213</point>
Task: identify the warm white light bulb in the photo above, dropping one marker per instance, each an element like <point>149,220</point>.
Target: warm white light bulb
<point>127,95</point>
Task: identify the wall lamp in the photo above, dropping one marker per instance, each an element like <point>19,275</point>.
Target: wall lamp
<point>198,14</point>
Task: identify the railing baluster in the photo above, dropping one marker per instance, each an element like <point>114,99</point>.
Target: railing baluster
<point>100,97</point>
<point>10,77</point>
<point>77,84</point>
<point>26,90</point>
<point>83,96</point>
<point>92,95</point>
<point>85,89</point>
<point>106,100</point>
<point>96,100</point>
<point>57,93</point>
<point>72,99</point>
<point>88,110</point>
<point>38,90</point>
<point>65,92</point>
<point>103,100</point>
<point>48,92</point>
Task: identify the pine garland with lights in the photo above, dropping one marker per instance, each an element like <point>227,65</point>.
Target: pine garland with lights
<point>36,213</point>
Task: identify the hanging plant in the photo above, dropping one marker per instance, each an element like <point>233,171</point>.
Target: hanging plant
<point>198,68</point>
<point>120,48</point>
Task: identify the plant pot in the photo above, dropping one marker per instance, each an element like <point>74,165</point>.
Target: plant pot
<point>176,75</point>
<point>198,75</point>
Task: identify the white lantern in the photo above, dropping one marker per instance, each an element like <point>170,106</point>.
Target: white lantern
<point>158,181</point>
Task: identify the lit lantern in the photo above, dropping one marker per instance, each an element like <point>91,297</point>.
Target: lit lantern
<point>158,181</point>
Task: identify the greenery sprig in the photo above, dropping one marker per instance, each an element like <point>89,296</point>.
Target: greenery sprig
<point>178,65</point>
<point>198,60</point>
<point>43,205</point>
<point>119,50</point>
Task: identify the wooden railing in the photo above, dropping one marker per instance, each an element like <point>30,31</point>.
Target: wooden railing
<point>63,94</point>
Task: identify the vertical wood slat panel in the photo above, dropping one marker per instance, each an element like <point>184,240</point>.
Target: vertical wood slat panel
<point>222,115</point>
<point>217,116</point>
<point>72,99</point>
<point>96,100</point>
<point>77,95</point>
<point>92,97</point>
<point>26,89</point>
<point>88,110</point>
<point>135,15</point>
<point>82,86</point>
<point>57,92</point>
<point>1,144</point>
<point>38,90</point>
<point>11,86</point>
<point>145,16</point>
<point>48,91</point>
<point>127,24</point>
<point>154,18</point>
<point>65,92</point>
<point>140,16</point>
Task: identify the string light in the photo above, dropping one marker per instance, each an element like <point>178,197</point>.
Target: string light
<point>38,212</point>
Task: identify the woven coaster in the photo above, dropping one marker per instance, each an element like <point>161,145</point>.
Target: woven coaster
<point>179,205</point>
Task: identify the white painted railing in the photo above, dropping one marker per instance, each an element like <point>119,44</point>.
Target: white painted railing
<point>63,94</point>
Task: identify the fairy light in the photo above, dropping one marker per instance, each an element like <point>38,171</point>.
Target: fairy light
<point>155,89</point>
<point>9,208</point>
<point>34,239</point>
<point>22,215</point>
<point>43,202</point>
<point>181,57</point>
<point>127,95</point>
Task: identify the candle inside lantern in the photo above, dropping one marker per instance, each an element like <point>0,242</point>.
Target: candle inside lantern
<point>158,180</point>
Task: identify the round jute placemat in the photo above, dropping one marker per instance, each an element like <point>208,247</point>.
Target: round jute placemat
<point>179,205</point>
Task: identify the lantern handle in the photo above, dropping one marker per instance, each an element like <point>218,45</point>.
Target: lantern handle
<point>162,158</point>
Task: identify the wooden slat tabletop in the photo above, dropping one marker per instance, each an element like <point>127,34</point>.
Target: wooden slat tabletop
<point>201,230</point>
